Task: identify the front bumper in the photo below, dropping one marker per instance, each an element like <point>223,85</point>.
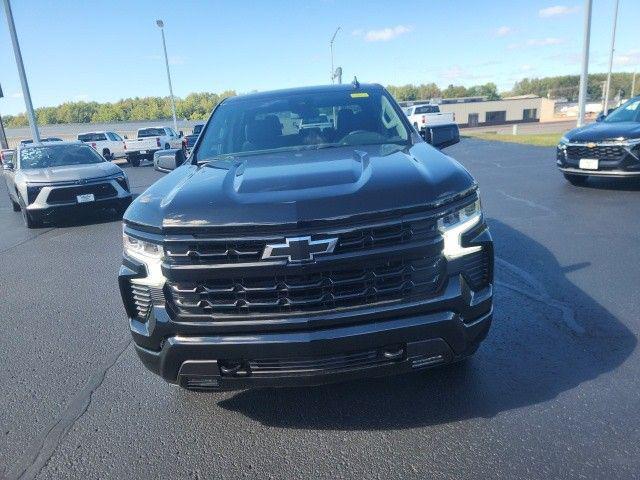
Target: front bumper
<point>622,162</point>
<point>41,207</point>
<point>317,357</point>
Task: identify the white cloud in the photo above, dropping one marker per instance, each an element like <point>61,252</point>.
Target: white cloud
<point>556,11</point>
<point>386,34</point>
<point>541,42</point>
<point>503,31</point>
<point>632,57</point>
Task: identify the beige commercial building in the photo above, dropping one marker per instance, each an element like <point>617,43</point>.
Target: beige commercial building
<point>477,111</point>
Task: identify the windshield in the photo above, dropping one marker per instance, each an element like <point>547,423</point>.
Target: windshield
<point>627,112</point>
<point>296,121</point>
<point>150,132</point>
<point>57,156</point>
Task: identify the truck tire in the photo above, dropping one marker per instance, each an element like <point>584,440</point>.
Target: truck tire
<point>577,180</point>
<point>14,205</point>
<point>135,161</point>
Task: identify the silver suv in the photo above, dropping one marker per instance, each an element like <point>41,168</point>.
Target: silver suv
<point>48,178</point>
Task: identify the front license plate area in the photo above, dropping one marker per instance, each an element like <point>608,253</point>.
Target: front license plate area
<point>588,164</point>
<point>87,197</point>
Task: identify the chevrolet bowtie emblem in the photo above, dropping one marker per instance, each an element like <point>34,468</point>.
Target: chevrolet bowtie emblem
<point>592,145</point>
<point>299,249</point>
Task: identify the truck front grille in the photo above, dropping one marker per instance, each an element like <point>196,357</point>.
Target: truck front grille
<point>340,287</point>
<point>229,251</point>
<point>69,194</point>
<point>601,152</point>
<point>309,365</point>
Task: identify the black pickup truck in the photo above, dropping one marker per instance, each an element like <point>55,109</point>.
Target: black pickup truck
<point>279,255</point>
<point>190,140</point>
<point>610,147</point>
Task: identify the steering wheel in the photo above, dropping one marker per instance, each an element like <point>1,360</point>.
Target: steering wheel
<point>350,134</point>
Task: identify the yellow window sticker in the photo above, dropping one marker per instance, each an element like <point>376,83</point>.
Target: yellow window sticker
<point>360,95</point>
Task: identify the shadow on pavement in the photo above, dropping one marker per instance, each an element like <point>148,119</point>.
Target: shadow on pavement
<point>618,184</point>
<point>539,346</point>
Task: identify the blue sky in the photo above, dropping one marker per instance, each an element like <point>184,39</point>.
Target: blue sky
<point>111,50</point>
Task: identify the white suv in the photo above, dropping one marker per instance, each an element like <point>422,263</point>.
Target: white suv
<point>109,144</point>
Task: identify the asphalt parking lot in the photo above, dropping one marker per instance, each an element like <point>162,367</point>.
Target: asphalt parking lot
<point>552,393</point>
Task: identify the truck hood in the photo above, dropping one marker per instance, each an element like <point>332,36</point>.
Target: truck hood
<point>69,173</point>
<point>288,188</point>
<point>601,131</point>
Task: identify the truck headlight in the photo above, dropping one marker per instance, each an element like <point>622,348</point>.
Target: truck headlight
<point>454,225</point>
<point>148,253</point>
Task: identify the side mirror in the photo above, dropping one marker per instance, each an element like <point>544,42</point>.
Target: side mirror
<point>443,136</point>
<point>168,160</point>
<point>181,134</point>
<point>601,116</point>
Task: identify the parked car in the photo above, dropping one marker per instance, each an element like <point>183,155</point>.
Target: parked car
<point>150,140</point>
<point>43,140</point>
<point>280,256</point>
<point>610,147</point>
<point>6,154</point>
<point>61,177</point>
<point>190,140</point>
<point>109,144</point>
<point>434,125</point>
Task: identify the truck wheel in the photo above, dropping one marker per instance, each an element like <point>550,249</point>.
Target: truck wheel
<point>577,180</point>
<point>107,154</point>
<point>135,162</point>
<point>14,205</point>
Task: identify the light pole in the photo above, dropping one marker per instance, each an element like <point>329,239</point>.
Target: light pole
<point>160,24</point>
<point>633,83</point>
<point>333,73</point>
<point>582,95</point>
<point>35,134</point>
<point>613,45</point>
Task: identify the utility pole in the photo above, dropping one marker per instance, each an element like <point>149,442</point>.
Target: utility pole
<point>3,137</point>
<point>582,96</point>
<point>160,24</point>
<point>633,83</point>
<point>333,73</point>
<point>35,134</point>
<point>613,45</point>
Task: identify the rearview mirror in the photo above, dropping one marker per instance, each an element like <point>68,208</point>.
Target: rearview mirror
<point>168,160</point>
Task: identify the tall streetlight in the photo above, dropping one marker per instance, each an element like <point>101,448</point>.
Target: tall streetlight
<point>582,96</point>
<point>613,45</point>
<point>333,73</point>
<point>35,134</point>
<point>160,24</point>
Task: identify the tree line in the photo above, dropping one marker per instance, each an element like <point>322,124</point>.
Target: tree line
<point>198,106</point>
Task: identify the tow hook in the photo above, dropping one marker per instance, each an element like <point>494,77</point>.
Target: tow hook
<point>394,353</point>
<point>234,368</point>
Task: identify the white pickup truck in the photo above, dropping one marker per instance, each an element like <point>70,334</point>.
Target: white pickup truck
<point>433,124</point>
<point>109,144</point>
<point>150,140</point>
